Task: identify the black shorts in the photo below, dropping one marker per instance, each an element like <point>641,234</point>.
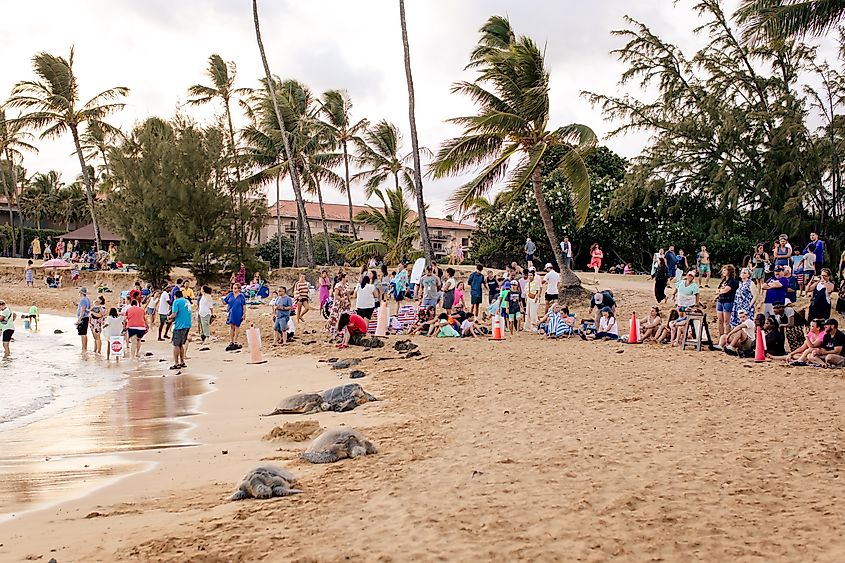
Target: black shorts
<point>7,334</point>
<point>475,299</point>
<point>551,297</point>
<point>133,332</point>
<point>82,327</point>
<point>180,337</point>
<point>366,313</point>
<point>400,296</point>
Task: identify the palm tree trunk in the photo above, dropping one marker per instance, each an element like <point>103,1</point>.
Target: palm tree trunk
<point>297,189</point>
<point>239,227</point>
<point>15,197</point>
<point>323,219</point>
<point>349,191</point>
<point>9,203</point>
<point>278,215</point>
<point>415,145</point>
<point>89,188</point>
<point>569,281</point>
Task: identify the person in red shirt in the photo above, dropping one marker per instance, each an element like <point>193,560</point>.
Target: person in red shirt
<point>353,328</point>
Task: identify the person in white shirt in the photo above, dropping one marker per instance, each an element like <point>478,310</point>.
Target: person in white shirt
<point>742,336</point>
<point>468,328</point>
<point>366,296</point>
<point>163,313</point>
<point>566,249</point>
<point>551,283</point>
<point>205,311</point>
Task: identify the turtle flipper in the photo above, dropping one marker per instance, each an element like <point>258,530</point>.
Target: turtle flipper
<point>240,494</point>
<point>285,492</point>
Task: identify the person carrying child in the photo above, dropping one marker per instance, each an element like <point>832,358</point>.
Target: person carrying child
<point>283,307</point>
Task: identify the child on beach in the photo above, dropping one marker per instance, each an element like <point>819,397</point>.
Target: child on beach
<point>445,329</point>
<point>29,274</point>
<point>514,308</point>
<point>284,306</point>
<point>468,328</point>
<point>74,275</point>
<point>113,327</point>
<point>33,316</point>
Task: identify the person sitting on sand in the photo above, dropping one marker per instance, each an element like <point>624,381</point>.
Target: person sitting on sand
<point>775,341</point>
<point>813,339</point>
<point>353,328</point>
<point>425,316</point>
<point>600,300</point>
<point>832,351</point>
<point>468,328</point>
<point>664,333</point>
<point>678,327</point>
<point>652,324</point>
<point>741,337</point>
<point>445,328</point>
<point>607,327</point>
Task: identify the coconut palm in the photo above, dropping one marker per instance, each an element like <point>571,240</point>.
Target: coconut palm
<point>335,112</point>
<point>70,208</point>
<point>222,76</point>
<point>271,89</point>
<point>39,200</point>
<point>398,225</point>
<point>52,106</point>
<point>96,141</point>
<point>378,155</point>
<point>512,94</point>
<point>13,140</point>
<point>780,19</point>
<point>415,144</point>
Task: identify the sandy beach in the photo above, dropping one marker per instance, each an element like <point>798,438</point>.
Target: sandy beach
<point>519,450</point>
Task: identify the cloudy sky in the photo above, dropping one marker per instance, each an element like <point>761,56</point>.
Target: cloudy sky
<point>158,48</point>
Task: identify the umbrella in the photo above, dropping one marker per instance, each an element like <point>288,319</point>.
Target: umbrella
<point>56,263</point>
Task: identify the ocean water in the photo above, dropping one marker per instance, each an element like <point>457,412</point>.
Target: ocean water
<point>48,374</point>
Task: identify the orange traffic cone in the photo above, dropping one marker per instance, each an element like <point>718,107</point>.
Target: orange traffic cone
<point>496,328</point>
<point>760,349</point>
<point>634,334</point>
<point>253,340</point>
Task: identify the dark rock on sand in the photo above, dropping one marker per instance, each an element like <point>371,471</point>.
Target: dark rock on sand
<point>343,364</point>
<point>58,331</point>
<point>404,346</point>
<point>356,374</point>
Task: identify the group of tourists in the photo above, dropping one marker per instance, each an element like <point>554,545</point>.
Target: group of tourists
<point>74,253</point>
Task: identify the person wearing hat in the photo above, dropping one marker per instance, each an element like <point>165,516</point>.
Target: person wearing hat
<point>7,326</point>
<point>550,286</point>
<point>775,290</point>
<point>530,249</point>
<point>832,351</point>
<point>599,300</point>
<point>83,311</point>
<point>686,292</point>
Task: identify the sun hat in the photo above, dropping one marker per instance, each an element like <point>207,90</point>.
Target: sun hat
<point>548,266</point>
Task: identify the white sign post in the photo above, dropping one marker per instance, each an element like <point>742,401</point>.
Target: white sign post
<point>117,346</point>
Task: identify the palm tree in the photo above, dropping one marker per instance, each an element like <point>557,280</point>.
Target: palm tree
<point>40,200</point>
<point>222,76</point>
<point>53,107</point>
<point>70,208</point>
<point>96,141</point>
<point>378,154</point>
<point>13,140</point>
<point>297,190</point>
<point>415,145</point>
<point>512,125</point>
<point>335,110</point>
<point>397,224</point>
<point>781,19</point>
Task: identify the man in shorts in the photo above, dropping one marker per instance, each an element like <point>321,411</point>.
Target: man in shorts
<point>476,286</point>
<point>83,310</point>
<point>7,326</point>
<point>703,259</point>
<point>551,282</point>
<point>430,286</point>
<point>180,316</point>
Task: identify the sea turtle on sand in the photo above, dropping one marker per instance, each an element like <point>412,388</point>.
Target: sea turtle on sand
<point>345,397</point>
<point>266,481</point>
<point>301,403</point>
<point>338,443</point>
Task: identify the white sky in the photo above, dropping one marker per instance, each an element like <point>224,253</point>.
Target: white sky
<point>158,48</point>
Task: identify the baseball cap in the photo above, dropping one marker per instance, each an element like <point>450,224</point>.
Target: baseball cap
<point>598,298</point>
<point>831,322</point>
<point>548,266</point>
<point>83,290</point>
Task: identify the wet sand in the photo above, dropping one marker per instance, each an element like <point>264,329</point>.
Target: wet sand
<point>73,453</point>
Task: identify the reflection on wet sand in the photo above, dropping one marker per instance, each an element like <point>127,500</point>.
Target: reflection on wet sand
<point>56,459</point>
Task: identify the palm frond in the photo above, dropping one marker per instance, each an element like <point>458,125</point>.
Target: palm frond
<point>483,182</point>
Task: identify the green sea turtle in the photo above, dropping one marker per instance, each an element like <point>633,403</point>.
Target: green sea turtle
<point>345,397</point>
<point>301,403</point>
<point>266,481</point>
<point>338,443</point>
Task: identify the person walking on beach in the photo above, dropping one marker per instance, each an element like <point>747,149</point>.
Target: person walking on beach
<point>301,292</point>
<point>281,312</point>
<point>7,327</point>
<point>530,249</point>
<point>180,316</point>
<point>35,248</point>
<point>236,303</point>
<point>205,312</point>
<point>83,312</point>
<point>48,249</point>
<point>114,326</point>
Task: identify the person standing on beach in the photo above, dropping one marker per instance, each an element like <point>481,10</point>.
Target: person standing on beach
<point>35,248</point>
<point>29,274</point>
<point>205,312</point>
<point>136,327</point>
<point>550,286</point>
<point>83,311</point>
<point>301,293</point>
<point>476,289</point>
<point>7,327</point>
<point>566,249</point>
<point>236,303</point>
<point>180,316</point>
<point>703,265</point>
<point>530,249</point>
<point>281,314</point>
<point>163,314</point>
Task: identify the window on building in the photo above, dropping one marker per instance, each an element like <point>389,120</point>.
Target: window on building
<point>343,228</point>
<point>464,242</point>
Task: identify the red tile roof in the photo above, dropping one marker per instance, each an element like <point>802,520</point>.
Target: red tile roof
<point>340,212</point>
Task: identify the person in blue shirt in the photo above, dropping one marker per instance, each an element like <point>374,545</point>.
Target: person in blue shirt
<point>236,303</point>
<point>83,310</point>
<point>283,307</point>
<point>476,285</point>
<point>671,261</point>
<point>819,250</point>
<point>180,315</point>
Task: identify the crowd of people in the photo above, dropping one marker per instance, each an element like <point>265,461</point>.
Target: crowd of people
<point>74,253</point>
